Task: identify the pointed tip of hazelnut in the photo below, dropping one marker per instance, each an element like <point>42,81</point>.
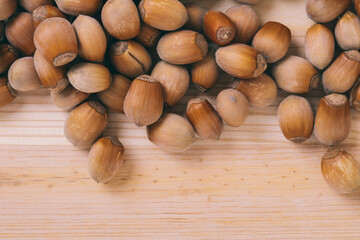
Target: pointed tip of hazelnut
<point>114,140</point>
<point>335,100</point>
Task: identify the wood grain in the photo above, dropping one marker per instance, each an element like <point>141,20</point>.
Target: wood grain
<point>253,184</point>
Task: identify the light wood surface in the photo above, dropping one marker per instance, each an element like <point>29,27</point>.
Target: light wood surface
<point>252,184</point>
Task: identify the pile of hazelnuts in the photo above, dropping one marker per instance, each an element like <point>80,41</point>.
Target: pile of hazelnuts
<point>96,55</point>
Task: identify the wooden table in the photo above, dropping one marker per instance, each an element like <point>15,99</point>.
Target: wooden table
<point>253,184</point>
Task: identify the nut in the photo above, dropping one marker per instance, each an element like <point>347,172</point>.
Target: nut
<point>50,76</point>
<point>295,75</point>
<point>205,72</point>
<point>296,118</point>
<point>232,106</point>
<point>89,77</point>
<point>114,96</point>
<point>167,15</point>
<point>86,123</point>
<point>174,80</point>
<point>196,15</point>
<point>347,31</point>
<point>144,101</point>
<point>171,133</point>
<point>61,51</point>
<point>8,55</point>
<point>319,46</point>
<point>273,41</point>
<point>91,38</point>
<point>340,170</point>
<point>85,7</point>
<point>68,98</point>
<point>341,75</point>
<point>121,19</point>
<point>22,75</point>
<point>31,5</point>
<point>205,120</point>
<point>8,7</point>
<point>106,157</point>
<point>44,12</point>
<point>218,27</point>
<point>130,58</point>
<point>182,47</point>
<point>20,33</point>
<point>148,36</point>
<point>333,120</point>
<point>240,60</point>
<point>260,91</point>
<point>7,94</point>
<point>246,22</point>
<point>326,10</point>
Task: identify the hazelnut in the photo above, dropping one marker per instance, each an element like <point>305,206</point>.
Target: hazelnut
<point>196,15</point>
<point>23,76</point>
<point>89,77</point>
<point>148,36</point>
<point>50,76</point>
<point>144,101</point>
<point>75,8</point>
<point>240,60</point>
<point>174,80</point>
<point>130,58</point>
<point>333,119</point>
<point>347,31</point>
<point>260,91</point>
<point>341,75</point>
<point>295,75</point>
<point>166,15</point>
<point>296,118</point>
<point>246,22</point>
<point>121,19</point>
<point>86,123</point>
<point>273,41</point>
<point>55,39</point>
<point>8,55</point>
<point>106,157</point>
<point>68,98</point>
<point>20,33</point>
<point>232,106</point>
<point>319,46</point>
<point>114,96</point>
<point>91,38</point>
<point>171,133</point>
<point>218,27</point>
<point>8,7</point>
<point>205,120</point>
<point>324,11</point>
<point>340,171</point>
<point>205,72</point>
<point>182,47</point>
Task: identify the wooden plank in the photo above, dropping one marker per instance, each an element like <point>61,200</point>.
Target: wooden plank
<point>253,184</point>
